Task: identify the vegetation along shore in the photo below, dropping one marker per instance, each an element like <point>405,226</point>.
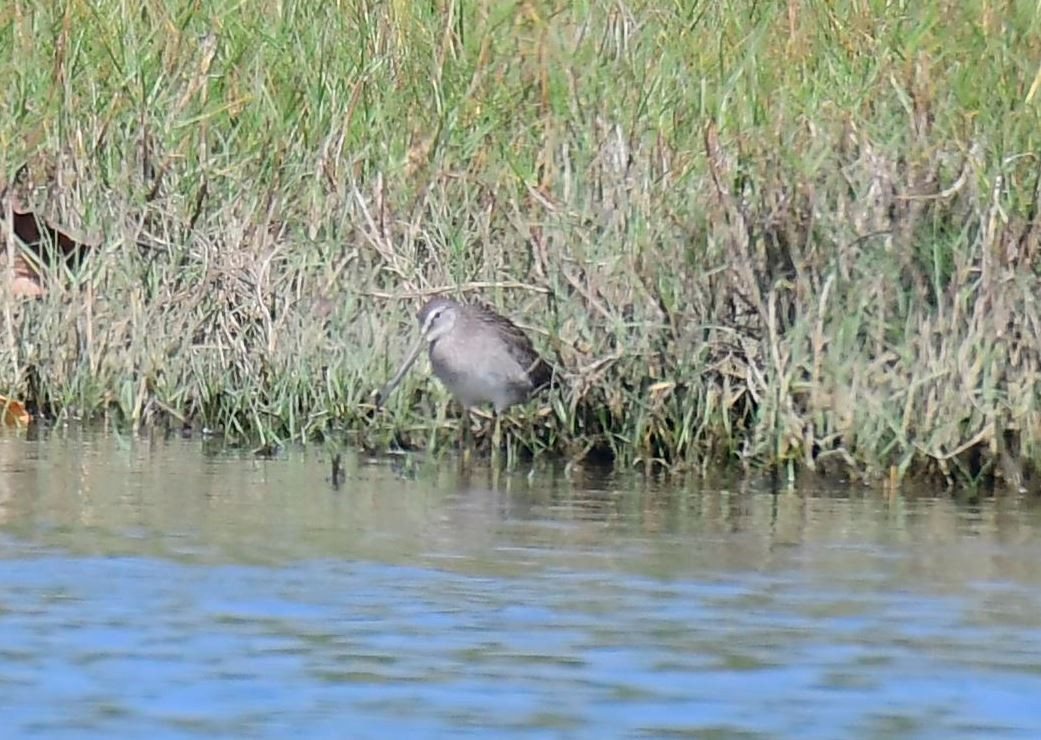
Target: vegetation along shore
<point>789,236</point>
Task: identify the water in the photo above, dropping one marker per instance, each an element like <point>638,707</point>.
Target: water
<point>155,589</point>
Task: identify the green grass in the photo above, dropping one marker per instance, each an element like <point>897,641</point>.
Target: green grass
<point>796,235</point>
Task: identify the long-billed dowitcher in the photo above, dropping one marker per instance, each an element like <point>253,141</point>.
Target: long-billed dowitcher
<point>479,355</point>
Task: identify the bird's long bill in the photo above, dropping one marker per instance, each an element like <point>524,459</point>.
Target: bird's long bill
<point>412,355</point>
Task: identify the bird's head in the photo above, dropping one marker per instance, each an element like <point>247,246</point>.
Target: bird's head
<point>437,318</point>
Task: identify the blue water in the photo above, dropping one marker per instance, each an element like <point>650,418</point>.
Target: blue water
<point>147,589</point>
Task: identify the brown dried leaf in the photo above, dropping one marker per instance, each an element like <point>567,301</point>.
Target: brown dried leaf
<point>13,413</point>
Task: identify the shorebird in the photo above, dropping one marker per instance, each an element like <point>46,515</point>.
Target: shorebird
<point>480,356</point>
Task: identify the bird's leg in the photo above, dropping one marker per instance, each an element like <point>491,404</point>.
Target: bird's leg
<point>496,439</point>
<point>468,437</point>
<point>496,431</point>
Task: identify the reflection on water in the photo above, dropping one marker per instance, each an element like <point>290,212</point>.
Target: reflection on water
<point>148,587</point>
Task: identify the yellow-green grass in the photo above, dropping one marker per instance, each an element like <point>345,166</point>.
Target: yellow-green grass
<point>784,235</point>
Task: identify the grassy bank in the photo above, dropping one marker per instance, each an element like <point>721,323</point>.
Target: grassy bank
<point>800,234</point>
